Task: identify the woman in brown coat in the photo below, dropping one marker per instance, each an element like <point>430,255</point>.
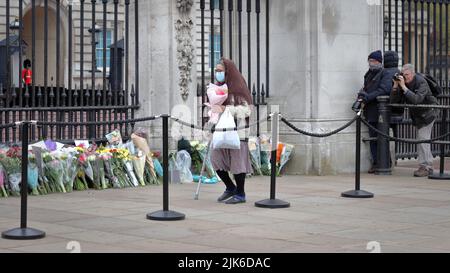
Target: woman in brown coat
<point>237,162</point>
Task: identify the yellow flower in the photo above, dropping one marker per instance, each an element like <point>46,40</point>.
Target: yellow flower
<point>102,150</point>
<point>122,153</point>
<point>194,143</point>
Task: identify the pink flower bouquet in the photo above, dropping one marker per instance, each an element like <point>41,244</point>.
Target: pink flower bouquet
<point>217,95</point>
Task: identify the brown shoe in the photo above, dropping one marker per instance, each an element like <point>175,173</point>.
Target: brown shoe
<point>372,169</point>
<point>423,172</point>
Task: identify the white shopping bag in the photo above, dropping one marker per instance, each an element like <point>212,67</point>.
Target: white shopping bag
<point>228,139</point>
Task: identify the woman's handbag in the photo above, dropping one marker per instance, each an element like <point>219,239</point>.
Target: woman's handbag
<point>228,139</point>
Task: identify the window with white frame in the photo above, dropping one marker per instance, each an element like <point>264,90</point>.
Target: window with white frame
<point>215,58</point>
<point>99,50</point>
<point>216,4</point>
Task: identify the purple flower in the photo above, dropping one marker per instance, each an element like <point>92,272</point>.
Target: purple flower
<point>50,144</point>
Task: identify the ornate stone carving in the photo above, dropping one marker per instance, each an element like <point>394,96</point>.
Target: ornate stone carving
<point>185,47</point>
<point>184,6</point>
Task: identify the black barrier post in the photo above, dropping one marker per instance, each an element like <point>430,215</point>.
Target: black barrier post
<point>273,203</point>
<point>24,232</point>
<point>165,214</point>
<point>383,146</point>
<point>441,175</point>
<point>357,192</point>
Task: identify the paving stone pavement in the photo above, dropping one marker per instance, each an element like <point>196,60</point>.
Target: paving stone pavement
<point>407,215</point>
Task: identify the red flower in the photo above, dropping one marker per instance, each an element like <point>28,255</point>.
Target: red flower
<point>82,158</point>
<point>14,152</point>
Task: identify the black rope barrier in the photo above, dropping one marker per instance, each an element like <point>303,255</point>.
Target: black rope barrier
<point>320,135</point>
<point>303,132</point>
<point>194,126</point>
<point>213,129</point>
<point>396,139</point>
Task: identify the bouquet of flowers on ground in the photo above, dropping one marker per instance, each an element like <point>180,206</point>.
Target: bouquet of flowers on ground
<point>139,138</point>
<point>92,178</point>
<point>70,164</point>
<point>33,174</point>
<point>3,177</point>
<point>153,171</point>
<point>106,156</point>
<point>80,180</point>
<point>266,147</point>
<point>44,186</point>
<point>139,161</point>
<point>93,168</point>
<point>199,151</point>
<point>255,155</point>
<point>98,165</point>
<point>54,171</point>
<point>118,166</point>
<point>284,152</point>
<point>12,163</point>
<point>128,161</point>
<point>261,160</point>
<point>55,168</point>
<point>88,170</point>
<point>158,166</point>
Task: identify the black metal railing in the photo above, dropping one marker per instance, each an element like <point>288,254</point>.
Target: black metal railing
<point>86,95</point>
<point>78,111</point>
<point>419,31</point>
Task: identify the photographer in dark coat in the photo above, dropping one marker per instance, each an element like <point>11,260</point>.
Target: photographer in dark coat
<point>412,88</point>
<point>377,82</point>
<point>391,63</point>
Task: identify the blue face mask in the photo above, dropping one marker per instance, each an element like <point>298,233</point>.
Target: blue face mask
<point>220,76</point>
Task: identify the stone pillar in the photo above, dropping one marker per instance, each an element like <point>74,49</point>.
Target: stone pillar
<point>160,87</point>
<point>318,60</point>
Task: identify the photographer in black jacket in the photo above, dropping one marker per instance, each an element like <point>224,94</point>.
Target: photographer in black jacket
<point>377,82</point>
<point>411,88</point>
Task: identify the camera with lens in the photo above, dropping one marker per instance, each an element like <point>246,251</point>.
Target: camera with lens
<point>397,76</point>
<point>357,105</point>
